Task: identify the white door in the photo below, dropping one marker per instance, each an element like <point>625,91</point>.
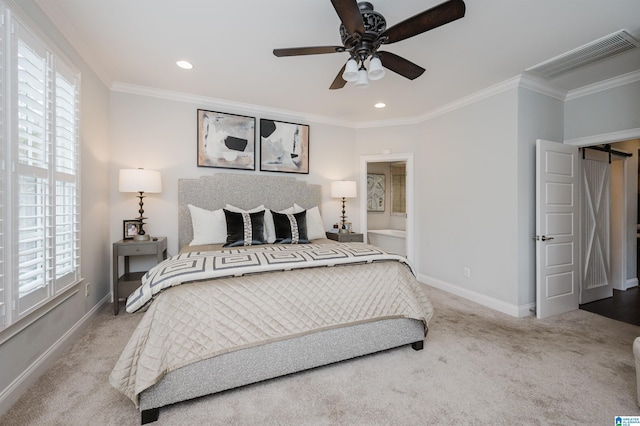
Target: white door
<point>596,227</point>
<point>557,271</point>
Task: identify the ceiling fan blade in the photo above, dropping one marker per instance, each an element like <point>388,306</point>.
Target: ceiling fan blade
<point>314,50</point>
<point>349,13</point>
<point>400,65</point>
<point>339,82</point>
<point>425,21</point>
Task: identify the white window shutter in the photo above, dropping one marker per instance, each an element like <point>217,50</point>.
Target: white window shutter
<point>66,149</point>
<point>34,203</point>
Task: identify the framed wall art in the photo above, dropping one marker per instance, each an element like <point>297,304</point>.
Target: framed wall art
<point>130,228</point>
<point>226,140</point>
<point>284,147</point>
<point>375,192</point>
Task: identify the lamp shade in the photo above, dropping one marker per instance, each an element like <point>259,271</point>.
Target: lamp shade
<point>350,71</point>
<point>363,81</point>
<point>343,189</point>
<point>139,180</point>
<point>376,71</point>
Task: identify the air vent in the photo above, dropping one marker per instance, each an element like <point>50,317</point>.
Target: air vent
<point>603,48</point>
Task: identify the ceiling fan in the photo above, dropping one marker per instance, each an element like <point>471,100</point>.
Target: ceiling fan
<point>364,30</point>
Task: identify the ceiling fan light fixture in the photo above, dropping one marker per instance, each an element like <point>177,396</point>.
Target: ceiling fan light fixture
<point>363,81</point>
<point>376,71</point>
<point>363,31</point>
<point>351,71</point>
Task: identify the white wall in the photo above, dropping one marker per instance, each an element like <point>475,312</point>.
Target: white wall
<point>475,193</point>
<point>160,134</point>
<point>539,117</point>
<point>469,199</point>
<point>604,112</point>
<point>466,179</point>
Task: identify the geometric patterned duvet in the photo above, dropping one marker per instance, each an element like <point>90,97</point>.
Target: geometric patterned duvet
<point>202,319</point>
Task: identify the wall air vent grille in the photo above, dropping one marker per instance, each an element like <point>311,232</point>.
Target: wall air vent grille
<point>601,49</point>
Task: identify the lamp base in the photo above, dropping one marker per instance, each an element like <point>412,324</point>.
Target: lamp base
<point>141,238</point>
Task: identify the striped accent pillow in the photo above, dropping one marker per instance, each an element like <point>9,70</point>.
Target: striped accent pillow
<point>244,229</point>
<point>290,228</point>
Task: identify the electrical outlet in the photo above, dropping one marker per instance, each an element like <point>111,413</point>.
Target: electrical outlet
<point>87,290</point>
<point>467,272</point>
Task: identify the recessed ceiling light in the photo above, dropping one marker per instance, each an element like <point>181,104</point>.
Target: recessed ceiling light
<point>184,65</point>
<point>380,105</point>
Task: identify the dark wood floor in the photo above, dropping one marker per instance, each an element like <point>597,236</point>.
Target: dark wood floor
<point>623,306</point>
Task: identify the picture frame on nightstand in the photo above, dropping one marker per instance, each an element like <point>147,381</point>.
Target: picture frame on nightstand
<point>130,229</point>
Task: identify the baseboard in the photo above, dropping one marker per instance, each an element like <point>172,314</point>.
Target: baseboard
<point>490,302</point>
<point>14,391</point>
<point>633,282</point>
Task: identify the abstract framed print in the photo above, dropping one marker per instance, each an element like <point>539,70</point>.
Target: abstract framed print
<point>284,147</point>
<point>226,140</point>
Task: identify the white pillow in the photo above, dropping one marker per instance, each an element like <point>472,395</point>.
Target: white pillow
<point>239,210</point>
<point>315,226</point>
<point>209,227</point>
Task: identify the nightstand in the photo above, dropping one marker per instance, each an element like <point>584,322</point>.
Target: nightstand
<point>125,284</point>
<point>352,237</point>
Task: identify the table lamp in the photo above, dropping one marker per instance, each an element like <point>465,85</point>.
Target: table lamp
<point>141,181</point>
<point>343,189</point>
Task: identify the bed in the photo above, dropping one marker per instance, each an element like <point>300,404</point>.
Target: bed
<point>262,311</point>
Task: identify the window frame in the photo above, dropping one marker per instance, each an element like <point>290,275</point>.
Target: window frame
<point>57,202</point>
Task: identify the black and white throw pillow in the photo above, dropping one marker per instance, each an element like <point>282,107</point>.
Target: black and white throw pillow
<point>290,228</point>
<point>244,229</point>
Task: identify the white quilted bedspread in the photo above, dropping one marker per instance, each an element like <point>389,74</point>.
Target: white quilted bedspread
<point>198,266</point>
<point>199,320</point>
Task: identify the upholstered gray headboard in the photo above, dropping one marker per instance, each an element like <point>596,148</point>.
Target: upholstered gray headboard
<point>241,190</point>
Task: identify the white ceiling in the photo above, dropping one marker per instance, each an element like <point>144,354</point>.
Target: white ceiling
<point>230,44</point>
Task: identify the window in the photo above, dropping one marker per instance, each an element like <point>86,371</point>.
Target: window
<point>399,188</point>
<point>39,202</point>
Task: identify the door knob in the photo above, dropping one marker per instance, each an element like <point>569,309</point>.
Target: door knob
<point>545,238</point>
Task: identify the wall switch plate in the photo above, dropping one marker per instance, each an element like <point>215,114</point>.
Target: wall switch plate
<point>86,290</point>
<point>467,272</point>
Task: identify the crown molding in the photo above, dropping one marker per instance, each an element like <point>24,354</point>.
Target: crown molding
<point>603,85</point>
<point>478,96</point>
<point>405,121</point>
<point>520,81</point>
<point>239,107</point>
<point>544,88</point>
<point>452,106</point>
<point>619,136</point>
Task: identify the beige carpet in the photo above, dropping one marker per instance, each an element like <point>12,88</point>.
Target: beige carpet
<point>478,367</point>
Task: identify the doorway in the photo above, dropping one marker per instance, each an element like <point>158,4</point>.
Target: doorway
<point>382,214</point>
<point>622,305</point>
<point>615,265</point>
<point>556,288</point>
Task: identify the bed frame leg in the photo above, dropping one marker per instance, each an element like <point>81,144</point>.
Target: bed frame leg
<point>149,416</point>
<point>418,346</point>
